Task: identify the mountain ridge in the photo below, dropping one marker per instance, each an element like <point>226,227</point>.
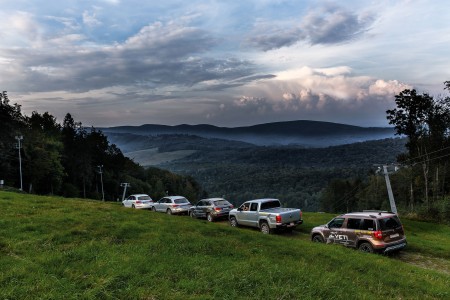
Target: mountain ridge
<point>301,132</point>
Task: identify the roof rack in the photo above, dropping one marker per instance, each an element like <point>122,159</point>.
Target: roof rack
<point>378,211</point>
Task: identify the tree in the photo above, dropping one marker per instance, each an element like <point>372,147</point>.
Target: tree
<point>426,123</point>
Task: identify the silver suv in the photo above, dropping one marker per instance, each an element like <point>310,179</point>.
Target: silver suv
<point>368,231</point>
<point>172,205</point>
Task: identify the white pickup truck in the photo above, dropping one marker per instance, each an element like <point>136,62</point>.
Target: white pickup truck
<point>265,214</point>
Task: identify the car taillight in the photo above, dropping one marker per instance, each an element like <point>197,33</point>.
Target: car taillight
<point>301,215</point>
<point>217,209</point>
<point>175,205</point>
<point>378,234</point>
<point>138,202</point>
<point>278,219</point>
<point>232,206</point>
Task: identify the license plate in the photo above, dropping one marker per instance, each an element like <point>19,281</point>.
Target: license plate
<point>394,235</point>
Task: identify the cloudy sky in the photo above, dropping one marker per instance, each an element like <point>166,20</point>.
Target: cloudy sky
<point>227,63</point>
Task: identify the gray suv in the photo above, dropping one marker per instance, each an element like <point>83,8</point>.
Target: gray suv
<point>211,209</point>
<point>368,231</point>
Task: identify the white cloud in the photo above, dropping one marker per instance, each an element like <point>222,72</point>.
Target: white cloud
<point>90,19</point>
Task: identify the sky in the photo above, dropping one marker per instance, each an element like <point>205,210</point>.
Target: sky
<point>226,63</point>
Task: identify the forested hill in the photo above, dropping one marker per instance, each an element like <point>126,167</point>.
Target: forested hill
<point>243,171</point>
<point>73,161</point>
<point>302,132</point>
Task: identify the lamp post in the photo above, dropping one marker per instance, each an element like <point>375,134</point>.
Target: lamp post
<point>19,146</point>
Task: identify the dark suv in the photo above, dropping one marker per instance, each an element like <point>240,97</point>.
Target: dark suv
<point>368,231</point>
<point>211,209</point>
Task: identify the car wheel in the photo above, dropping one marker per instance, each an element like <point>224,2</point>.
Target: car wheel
<point>366,247</point>
<point>153,208</point>
<point>264,227</point>
<point>233,222</point>
<point>317,239</point>
<point>132,206</point>
<point>192,214</point>
<point>169,211</point>
<point>209,218</point>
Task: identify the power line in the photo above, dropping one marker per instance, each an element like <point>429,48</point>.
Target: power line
<point>412,159</point>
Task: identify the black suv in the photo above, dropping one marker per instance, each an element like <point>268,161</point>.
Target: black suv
<point>368,231</point>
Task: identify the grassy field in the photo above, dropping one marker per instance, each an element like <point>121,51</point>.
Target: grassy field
<point>54,248</point>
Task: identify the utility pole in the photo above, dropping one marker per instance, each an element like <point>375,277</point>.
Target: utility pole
<point>124,185</point>
<point>389,190</point>
<point>19,146</point>
<point>100,171</point>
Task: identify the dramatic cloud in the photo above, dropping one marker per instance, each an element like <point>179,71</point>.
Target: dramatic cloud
<point>158,55</point>
<point>329,24</point>
<point>332,24</point>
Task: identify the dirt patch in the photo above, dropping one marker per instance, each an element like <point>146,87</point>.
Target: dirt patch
<point>424,261</point>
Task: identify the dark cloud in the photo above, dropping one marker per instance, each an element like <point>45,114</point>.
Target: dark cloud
<point>325,25</point>
<point>332,24</point>
<point>275,39</point>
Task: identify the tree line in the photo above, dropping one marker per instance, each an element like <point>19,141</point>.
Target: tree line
<point>71,160</point>
<point>421,183</point>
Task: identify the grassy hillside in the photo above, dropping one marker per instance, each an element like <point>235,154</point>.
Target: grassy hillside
<point>53,248</point>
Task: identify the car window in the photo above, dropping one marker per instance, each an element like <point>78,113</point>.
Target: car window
<point>270,204</point>
<point>221,202</point>
<point>245,206</point>
<point>254,207</point>
<point>144,198</point>
<point>200,203</point>
<point>353,223</point>
<point>181,201</point>
<point>389,223</point>
<point>336,223</point>
<point>368,224</point>
<point>132,198</point>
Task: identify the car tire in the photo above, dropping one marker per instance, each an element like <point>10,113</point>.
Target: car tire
<point>132,206</point>
<point>209,218</point>
<point>366,247</point>
<point>192,214</point>
<point>265,228</point>
<point>233,222</point>
<point>153,208</point>
<point>317,238</point>
<point>169,211</point>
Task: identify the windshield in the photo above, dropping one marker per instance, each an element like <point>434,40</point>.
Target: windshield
<point>270,204</point>
<point>181,201</point>
<point>221,203</point>
<point>144,198</point>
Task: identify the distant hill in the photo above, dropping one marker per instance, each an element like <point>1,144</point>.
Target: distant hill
<point>305,133</point>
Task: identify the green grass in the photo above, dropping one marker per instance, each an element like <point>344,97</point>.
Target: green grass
<point>54,248</point>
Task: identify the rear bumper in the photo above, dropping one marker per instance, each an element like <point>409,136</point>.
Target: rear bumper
<point>180,210</point>
<point>143,206</point>
<point>288,225</point>
<point>395,247</point>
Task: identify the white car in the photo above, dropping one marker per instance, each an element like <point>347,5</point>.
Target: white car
<point>141,201</point>
<point>172,205</point>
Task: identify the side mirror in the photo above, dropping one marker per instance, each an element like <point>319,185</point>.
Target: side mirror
<point>239,209</point>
